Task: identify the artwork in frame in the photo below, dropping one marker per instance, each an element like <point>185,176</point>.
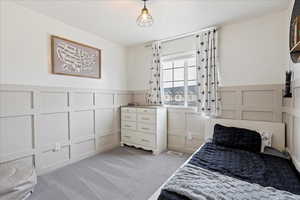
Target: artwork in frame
<point>74,59</point>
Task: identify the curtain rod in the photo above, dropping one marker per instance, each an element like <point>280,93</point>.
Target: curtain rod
<point>185,35</point>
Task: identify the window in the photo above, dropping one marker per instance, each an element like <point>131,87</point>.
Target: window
<point>179,80</point>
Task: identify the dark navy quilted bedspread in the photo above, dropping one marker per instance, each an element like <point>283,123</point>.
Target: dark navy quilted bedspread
<point>259,168</point>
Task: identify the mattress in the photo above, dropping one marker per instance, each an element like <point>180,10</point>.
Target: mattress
<point>16,182</point>
<point>265,170</point>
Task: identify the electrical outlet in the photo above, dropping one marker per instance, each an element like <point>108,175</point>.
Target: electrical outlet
<point>189,136</point>
<point>57,147</point>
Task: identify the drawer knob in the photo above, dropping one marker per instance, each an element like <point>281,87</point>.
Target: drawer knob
<point>127,136</point>
<point>144,140</point>
<point>145,128</point>
<point>144,118</point>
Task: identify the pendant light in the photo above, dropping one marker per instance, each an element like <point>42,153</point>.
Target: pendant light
<point>144,19</point>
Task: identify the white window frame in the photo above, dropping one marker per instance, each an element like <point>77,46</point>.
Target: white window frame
<point>178,56</point>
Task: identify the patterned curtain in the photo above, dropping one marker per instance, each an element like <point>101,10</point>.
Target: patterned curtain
<point>154,94</point>
<point>208,73</point>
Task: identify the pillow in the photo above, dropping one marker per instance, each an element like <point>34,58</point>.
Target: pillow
<point>266,139</point>
<point>238,138</point>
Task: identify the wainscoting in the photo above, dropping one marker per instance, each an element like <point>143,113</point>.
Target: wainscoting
<point>291,117</point>
<point>50,127</point>
<point>185,130</point>
<point>259,103</point>
<point>186,127</point>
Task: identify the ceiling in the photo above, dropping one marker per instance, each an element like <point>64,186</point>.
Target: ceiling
<point>115,19</point>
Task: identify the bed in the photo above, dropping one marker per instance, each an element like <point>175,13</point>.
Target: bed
<point>221,172</point>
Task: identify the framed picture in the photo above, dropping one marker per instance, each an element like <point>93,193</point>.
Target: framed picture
<point>74,59</point>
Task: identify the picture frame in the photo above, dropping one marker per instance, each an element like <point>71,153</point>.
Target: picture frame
<point>72,58</point>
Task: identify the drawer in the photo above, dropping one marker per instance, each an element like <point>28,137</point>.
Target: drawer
<point>128,116</point>
<point>129,136</point>
<point>149,128</point>
<point>147,140</point>
<point>146,118</point>
<point>128,125</point>
<point>146,110</point>
<point>128,110</point>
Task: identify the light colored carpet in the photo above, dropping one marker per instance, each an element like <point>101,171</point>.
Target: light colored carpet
<point>121,174</point>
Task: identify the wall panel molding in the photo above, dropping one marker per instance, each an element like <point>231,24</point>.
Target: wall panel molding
<point>185,130</point>
<point>254,102</point>
<point>49,127</point>
<point>257,102</point>
<point>291,117</point>
<point>261,102</point>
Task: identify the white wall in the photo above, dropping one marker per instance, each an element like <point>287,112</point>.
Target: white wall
<point>138,66</point>
<point>25,51</point>
<point>294,66</point>
<point>252,50</point>
<point>92,103</point>
<point>291,114</point>
<point>139,60</point>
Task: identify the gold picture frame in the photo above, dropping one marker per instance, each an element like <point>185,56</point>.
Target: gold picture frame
<point>72,58</point>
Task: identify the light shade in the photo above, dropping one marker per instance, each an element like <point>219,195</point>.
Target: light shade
<point>145,19</point>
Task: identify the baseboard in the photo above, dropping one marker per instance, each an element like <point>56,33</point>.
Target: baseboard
<point>64,163</point>
<point>77,159</point>
<point>181,149</point>
<point>108,147</point>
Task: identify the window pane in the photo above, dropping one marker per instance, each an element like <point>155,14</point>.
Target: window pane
<point>178,93</point>
<point>192,73</point>
<point>168,95</point>
<point>191,83</point>
<point>174,95</point>
<point>191,62</point>
<point>192,94</point>
<point>179,63</point>
<point>179,74</point>
<point>174,79</point>
<point>168,84</point>
<point>167,75</point>
<point>179,84</point>
<point>166,65</point>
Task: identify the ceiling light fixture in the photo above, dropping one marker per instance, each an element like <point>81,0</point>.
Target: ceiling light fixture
<point>145,19</point>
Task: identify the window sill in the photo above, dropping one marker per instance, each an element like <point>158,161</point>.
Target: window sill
<point>181,108</point>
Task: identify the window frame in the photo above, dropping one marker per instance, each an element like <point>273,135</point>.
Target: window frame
<point>172,58</point>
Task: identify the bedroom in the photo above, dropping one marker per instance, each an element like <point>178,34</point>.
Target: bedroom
<point>151,101</point>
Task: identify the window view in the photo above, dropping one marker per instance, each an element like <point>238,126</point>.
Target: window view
<point>179,81</point>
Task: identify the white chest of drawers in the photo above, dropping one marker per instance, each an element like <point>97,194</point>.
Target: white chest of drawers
<point>144,127</point>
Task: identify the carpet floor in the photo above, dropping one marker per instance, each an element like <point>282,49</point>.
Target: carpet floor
<point>121,174</point>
